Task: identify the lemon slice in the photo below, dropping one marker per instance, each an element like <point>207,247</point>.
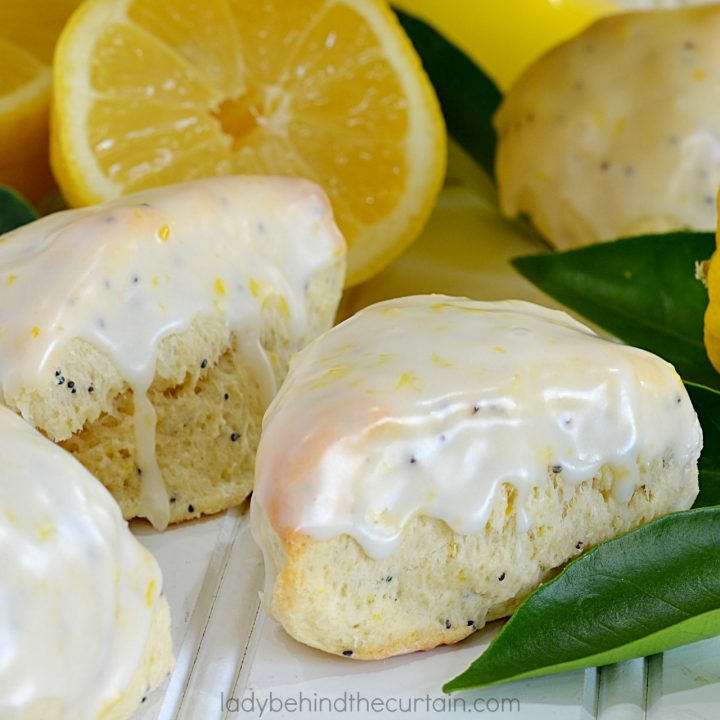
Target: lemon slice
<point>330,90</point>
<point>28,31</point>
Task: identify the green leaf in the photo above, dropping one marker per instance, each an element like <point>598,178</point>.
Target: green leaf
<point>14,210</point>
<point>644,592</point>
<point>468,97</point>
<point>642,289</point>
<point>707,405</point>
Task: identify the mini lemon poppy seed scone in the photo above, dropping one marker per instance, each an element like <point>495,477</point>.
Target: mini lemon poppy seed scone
<point>616,132</point>
<point>428,462</point>
<point>148,335</point>
<point>84,628</point>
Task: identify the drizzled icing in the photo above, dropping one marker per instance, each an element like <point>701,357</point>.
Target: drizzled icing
<point>77,591</point>
<point>617,131</point>
<point>124,275</point>
<point>427,404</point>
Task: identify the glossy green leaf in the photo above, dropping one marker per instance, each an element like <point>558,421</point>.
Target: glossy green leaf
<point>707,405</point>
<point>642,289</point>
<point>468,97</point>
<point>644,592</point>
<point>14,210</point>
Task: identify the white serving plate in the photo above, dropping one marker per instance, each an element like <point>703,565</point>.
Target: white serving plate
<point>231,656</point>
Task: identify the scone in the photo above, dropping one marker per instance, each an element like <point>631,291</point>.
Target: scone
<point>148,335</point>
<point>428,462</point>
<point>84,628</point>
<point>617,131</point>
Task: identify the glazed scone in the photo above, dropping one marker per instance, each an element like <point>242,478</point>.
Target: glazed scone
<point>428,462</point>
<point>617,131</point>
<point>148,335</point>
<point>84,628</point>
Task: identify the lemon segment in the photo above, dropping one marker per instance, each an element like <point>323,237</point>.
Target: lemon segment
<point>34,25</point>
<point>27,37</point>
<point>24,104</point>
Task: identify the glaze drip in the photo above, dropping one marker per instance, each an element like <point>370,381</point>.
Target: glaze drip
<point>126,274</point>
<point>429,404</point>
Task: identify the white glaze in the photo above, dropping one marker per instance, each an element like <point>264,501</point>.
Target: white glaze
<point>125,274</point>
<point>427,404</point>
<point>617,131</point>
<point>76,589</point>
